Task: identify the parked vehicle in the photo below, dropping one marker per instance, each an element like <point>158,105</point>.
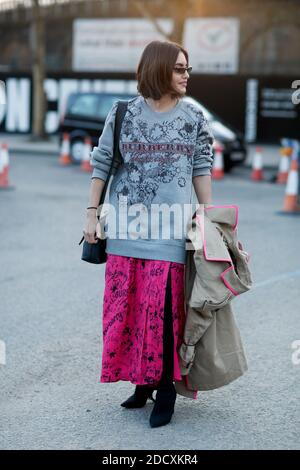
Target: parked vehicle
<point>85,115</point>
<point>232,140</point>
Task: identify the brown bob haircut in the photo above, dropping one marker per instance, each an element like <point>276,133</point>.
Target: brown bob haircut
<point>155,69</point>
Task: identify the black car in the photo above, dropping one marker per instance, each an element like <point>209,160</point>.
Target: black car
<point>85,114</point>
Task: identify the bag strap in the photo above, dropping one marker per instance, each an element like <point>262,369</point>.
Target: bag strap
<point>120,114</point>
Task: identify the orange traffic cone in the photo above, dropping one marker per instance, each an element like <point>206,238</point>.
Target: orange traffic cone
<point>257,174</point>
<point>4,166</point>
<point>64,158</point>
<point>284,163</point>
<point>85,164</point>
<point>290,204</point>
<point>218,162</point>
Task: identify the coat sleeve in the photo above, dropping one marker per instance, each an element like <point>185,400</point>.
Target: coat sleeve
<point>203,155</point>
<point>101,156</point>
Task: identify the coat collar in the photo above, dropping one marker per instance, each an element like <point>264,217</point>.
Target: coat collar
<point>206,235</point>
<point>203,233</point>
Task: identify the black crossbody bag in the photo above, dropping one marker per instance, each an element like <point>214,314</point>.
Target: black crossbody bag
<point>95,252</point>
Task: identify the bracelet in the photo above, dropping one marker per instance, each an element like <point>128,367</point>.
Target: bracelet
<point>91,207</point>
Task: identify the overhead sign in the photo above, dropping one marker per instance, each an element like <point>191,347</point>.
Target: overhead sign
<point>113,44</point>
<point>213,44</point>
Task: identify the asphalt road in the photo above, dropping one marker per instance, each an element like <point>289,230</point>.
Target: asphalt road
<point>50,321</point>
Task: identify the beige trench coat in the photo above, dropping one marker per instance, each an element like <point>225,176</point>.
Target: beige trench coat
<point>216,271</point>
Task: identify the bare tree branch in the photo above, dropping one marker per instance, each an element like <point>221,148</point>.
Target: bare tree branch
<point>144,11</point>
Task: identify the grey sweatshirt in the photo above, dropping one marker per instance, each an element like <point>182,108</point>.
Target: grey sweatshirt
<point>150,192</point>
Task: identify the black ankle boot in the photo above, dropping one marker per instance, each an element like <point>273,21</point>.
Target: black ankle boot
<point>164,406</point>
<point>140,396</point>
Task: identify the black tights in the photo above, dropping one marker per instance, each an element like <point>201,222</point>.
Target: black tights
<point>168,338</point>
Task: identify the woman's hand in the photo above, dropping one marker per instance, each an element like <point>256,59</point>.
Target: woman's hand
<point>91,231</point>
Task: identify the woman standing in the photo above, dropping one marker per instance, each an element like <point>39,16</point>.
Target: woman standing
<point>166,145</point>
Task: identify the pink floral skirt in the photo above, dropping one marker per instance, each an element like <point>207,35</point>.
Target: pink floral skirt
<point>133,313</point>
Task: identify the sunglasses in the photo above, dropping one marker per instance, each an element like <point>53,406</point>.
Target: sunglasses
<point>181,70</point>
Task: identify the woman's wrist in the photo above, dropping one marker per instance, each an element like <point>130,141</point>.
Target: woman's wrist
<point>91,211</point>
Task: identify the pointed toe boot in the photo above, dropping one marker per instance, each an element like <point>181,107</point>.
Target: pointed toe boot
<point>140,397</point>
<point>164,406</point>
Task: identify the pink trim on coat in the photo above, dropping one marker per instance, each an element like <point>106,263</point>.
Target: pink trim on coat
<point>228,205</point>
<point>226,282</point>
<point>198,219</point>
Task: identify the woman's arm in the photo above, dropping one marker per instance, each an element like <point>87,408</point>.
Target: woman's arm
<point>101,158</point>
<point>91,227</point>
<point>203,190</point>
<point>96,188</point>
<point>202,162</point>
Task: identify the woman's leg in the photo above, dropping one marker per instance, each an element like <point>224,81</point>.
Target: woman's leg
<point>168,337</point>
<point>166,392</point>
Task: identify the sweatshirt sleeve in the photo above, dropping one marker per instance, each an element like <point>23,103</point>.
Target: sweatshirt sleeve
<point>101,156</point>
<point>203,156</point>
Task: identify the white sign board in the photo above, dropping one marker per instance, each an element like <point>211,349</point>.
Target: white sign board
<point>113,44</point>
<point>212,44</point>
